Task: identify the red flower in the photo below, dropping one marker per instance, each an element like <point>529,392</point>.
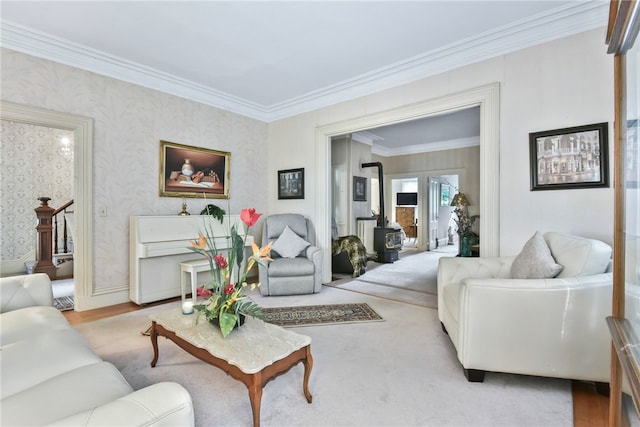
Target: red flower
<point>221,261</point>
<point>229,289</point>
<point>203,292</point>
<point>249,216</point>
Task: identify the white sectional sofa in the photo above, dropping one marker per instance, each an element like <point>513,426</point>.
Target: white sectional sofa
<point>50,375</point>
<point>553,327</point>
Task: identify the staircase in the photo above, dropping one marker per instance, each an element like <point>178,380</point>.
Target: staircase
<point>56,263</point>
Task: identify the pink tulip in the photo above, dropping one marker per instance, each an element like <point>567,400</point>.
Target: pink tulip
<point>249,216</point>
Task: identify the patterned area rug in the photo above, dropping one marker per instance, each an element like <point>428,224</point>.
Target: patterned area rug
<point>63,303</point>
<point>310,315</point>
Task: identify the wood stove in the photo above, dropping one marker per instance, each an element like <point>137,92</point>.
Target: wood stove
<point>387,241</point>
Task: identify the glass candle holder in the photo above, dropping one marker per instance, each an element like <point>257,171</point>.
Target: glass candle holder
<point>187,306</point>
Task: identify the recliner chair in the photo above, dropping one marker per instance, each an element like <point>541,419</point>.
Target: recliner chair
<point>297,263</point>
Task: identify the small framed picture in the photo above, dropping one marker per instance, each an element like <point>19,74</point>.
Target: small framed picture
<point>291,184</point>
<point>445,194</point>
<point>187,171</point>
<point>575,157</point>
<point>359,189</point>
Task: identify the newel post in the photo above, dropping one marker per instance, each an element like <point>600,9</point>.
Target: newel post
<point>44,255</point>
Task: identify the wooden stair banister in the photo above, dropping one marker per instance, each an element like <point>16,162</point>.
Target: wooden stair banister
<point>63,209</point>
<point>44,255</point>
<point>47,241</point>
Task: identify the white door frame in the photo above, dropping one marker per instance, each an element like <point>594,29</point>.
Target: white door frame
<point>486,97</point>
<point>433,209</point>
<point>82,128</point>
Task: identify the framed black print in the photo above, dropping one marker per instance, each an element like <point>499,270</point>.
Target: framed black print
<point>575,157</point>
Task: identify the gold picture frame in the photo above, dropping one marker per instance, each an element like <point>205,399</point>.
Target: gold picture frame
<point>187,171</point>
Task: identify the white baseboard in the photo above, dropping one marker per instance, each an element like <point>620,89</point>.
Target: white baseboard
<point>83,303</point>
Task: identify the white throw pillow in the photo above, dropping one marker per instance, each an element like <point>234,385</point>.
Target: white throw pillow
<point>579,256</point>
<point>289,244</point>
<point>535,260</point>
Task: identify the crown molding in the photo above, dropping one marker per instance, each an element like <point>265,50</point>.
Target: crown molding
<point>365,137</point>
<point>561,22</point>
<point>425,148</point>
<point>42,45</point>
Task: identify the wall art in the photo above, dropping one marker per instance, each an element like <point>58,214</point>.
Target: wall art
<point>575,157</point>
<point>291,184</point>
<point>445,194</point>
<point>359,189</point>
<point>187,171</point>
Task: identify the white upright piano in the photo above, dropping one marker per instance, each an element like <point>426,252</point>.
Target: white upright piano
<point>158,244</point>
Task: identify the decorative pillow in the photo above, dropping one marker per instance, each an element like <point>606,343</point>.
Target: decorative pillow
<point>535,260</point>
<point>579,256</point>
<point>289,244</point>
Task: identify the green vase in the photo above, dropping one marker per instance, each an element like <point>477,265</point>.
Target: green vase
<point>465,246</point>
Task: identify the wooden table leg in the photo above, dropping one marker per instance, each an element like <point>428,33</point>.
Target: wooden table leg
<point>255,396</point>
<point>153,334</point>
<point>308,364</point>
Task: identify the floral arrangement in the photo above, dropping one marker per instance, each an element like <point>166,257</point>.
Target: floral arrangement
<point>463,222</point>
<point>224,300</point>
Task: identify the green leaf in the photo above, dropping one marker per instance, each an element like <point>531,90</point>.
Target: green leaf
<point>237,243</point>
<point>250,308</point>
<point>227,322</point>
<point>214,211</point>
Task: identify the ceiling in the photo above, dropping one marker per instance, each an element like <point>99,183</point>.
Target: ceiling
<point>273,59</point>
<point>438,132</point>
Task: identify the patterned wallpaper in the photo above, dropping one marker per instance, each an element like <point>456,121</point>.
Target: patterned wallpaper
<point>129,122</point>
<point>35,161</point>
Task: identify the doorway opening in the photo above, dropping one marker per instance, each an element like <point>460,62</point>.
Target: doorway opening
<point>486,97</point>
<point>82,130</point>
<point>421,207</point>
<point>405,198</point>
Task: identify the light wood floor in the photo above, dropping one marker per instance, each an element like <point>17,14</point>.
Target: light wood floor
<point>590,409</point>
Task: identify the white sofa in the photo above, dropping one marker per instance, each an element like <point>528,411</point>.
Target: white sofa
<point>50,375</point>
<point>552,327</point>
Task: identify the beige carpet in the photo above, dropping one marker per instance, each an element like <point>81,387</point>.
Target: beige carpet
<point>400,372</point>
<point>412,279</point>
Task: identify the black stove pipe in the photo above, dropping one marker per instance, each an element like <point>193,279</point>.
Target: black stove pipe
<point>383,221</point>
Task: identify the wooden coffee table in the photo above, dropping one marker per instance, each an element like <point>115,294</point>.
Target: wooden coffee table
<point>254,354</point>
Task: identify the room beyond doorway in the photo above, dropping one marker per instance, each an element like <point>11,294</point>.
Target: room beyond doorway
<point>487,97</point>
<point>82,128</point>
<point>421,207</point>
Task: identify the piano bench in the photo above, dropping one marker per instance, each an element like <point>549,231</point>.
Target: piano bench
<point>192,268</point>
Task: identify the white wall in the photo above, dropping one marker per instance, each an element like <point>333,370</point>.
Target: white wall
<point>129,122</point>
<point>563,83</point>
<point>346,157</point>
<point>558,84</point>
<point>341,175</point>
<point>360,153</point>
